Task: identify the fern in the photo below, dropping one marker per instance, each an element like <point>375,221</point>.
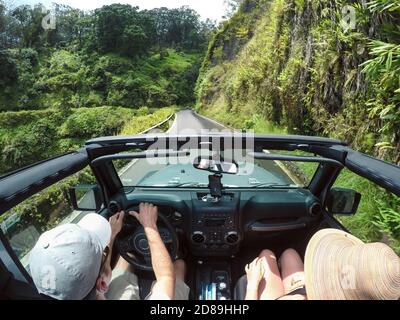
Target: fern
<point>384,5</point>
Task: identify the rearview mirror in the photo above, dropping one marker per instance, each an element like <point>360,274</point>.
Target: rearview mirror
<point>216,166</point>
<point>343,201</point>
<point>86,198</point>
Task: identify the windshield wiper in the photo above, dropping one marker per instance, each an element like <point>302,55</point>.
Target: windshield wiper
<point>273,185</point>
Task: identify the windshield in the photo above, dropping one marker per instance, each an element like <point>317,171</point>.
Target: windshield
<point>180,172</point>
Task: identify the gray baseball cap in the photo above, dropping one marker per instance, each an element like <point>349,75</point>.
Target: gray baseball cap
<point>65,262</point>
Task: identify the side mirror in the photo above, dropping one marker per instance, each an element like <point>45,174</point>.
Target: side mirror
<point>86,198</point>
<point>343,201</point>
<point>216,165</point>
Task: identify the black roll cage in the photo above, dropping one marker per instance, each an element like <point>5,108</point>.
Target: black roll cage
<point>99,153</point>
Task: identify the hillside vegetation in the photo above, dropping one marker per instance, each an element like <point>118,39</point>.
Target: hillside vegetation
<point>96,73</point>
<point>30,136</point>
<point>302,67</point>
<point>65,79</point>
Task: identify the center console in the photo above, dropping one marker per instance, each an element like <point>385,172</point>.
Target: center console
<point>213,281</point>
<point>214,229</point>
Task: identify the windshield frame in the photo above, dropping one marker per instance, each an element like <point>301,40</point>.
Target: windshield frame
<point>256,184</point>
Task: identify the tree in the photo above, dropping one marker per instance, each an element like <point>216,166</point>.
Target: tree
<point>67,30</point>
<point>2,25</point>
<point>29,24</point>
<point>133,41</point>
<point>2,16</point>
<point>115,24</point>
<point>181,28</point>
<point>8,69</point>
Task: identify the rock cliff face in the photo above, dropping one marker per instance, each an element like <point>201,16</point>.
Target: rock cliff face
<point>313,67</point>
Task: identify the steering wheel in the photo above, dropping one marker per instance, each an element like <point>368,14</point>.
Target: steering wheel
<point>132,242</point>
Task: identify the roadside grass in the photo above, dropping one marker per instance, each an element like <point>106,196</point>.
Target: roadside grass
<point>140,123</point>
<point>378,216</point>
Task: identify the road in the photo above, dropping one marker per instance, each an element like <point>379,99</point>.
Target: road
<point>186,122</point>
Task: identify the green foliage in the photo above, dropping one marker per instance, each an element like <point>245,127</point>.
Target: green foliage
<point>383,71</point>
<point>117,29</point>
<point>23,148</point>
<point>384,5</point>
<point>66,79</point>
<point>104,57</point>
<point>8,69</point>
<point>388,221</point>
<point>141,123</point>
<point>302,70</point>
<point>87,123</point>
<point>28,25</point>
<point>377,218</point>
<point>27,137</point>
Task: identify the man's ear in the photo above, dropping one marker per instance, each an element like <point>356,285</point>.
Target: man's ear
<point>102,284</point>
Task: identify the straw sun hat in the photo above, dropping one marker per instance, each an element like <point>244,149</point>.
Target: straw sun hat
<point>338,266</point>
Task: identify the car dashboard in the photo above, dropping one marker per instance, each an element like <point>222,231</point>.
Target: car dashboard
<point>219,227</point>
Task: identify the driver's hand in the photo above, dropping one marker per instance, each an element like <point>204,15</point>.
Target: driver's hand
<point>147,215</point>
<point>116,222</point>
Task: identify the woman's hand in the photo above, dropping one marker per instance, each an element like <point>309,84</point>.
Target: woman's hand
<point>255,272</point>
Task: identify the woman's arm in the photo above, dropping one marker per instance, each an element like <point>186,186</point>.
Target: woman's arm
<point>255,272</point>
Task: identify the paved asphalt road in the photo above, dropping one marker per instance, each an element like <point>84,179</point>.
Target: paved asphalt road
<point>186,122</point>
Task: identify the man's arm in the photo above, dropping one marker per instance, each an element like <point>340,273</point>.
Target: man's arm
<point>105,275</point>
<point>116,222</point>
<point>160,258</point>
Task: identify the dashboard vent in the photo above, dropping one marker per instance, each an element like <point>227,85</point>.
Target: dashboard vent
<point>315,210</point>
<point>198,237</point>
<point>225,196</point>
<point>232,238</point>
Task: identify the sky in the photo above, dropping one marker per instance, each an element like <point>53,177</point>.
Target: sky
<point>212,9</point>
